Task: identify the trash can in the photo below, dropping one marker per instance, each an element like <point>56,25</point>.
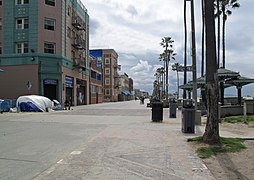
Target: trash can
<point>188,120</point>
<point>157,111</point>
<point>172,110</point>
<point>188,116</point>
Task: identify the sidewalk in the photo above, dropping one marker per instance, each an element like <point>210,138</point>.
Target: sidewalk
<point>130,147</point>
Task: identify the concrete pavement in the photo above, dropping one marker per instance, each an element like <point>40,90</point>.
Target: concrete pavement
<point>107,141</point>
<point>130,147</point>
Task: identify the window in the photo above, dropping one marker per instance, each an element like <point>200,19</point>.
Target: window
<point>49,48</point>
<point>93,89</point>
<point>22,47</point>
<point>22,23</point>
<point>22,2</point>
<point>107,60</point>
<point>99,90</point>
<point>50,2</point>
<point>49,24</point>
<point>0,3</point>
<point>107,71</point>
<point>1,24</point>
<point>0,49</point>
<point>107,81</point>
<point>107,92</point>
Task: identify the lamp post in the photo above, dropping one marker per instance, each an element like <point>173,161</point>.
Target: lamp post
<point>175,67</point>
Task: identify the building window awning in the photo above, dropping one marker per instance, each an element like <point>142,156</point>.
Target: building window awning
<point>126,93</point>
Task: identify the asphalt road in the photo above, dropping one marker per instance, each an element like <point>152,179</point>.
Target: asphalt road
<point>103,141</point>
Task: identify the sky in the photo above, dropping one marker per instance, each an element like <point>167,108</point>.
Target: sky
<point>134,29</point>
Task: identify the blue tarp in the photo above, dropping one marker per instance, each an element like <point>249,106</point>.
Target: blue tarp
<point>28,107</point>
<point>6,105</point>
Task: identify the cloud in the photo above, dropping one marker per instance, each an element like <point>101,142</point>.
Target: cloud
<point>94,25</point>
<point>141,66</point>
<point>132,10</point>
<point>135,28</point>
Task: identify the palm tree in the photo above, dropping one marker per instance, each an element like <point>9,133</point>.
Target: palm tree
<point>193,53</point>
<point>211,134</point>
<point>217,15</point>
<point>167,55</point>
<point>185,50</point>
<point>203,40</point>
<point>225,8</point>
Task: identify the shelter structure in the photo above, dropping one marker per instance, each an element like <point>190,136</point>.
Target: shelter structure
<point>239,82</point>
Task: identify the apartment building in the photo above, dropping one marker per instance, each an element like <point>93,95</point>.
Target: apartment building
<point>96,89</point>
<point>44,49</point>
<point>108,61</point>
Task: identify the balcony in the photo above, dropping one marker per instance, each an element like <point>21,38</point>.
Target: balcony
<point>79,63</point>
<point>78,23</point>
<point>79,43</point>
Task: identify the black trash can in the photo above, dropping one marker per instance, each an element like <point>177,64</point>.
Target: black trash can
<point>172,110</point>
<point>157,111</point>
<point>188,120</point>
<point>188,116</point>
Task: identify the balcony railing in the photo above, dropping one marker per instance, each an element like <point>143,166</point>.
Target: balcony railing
<point>79,63</point>
<point>79,43</point>
<point>78,23</point>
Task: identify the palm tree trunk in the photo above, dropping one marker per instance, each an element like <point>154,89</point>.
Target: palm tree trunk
<point>223,37</point>
<point>203,40</point>
<point>218,33</point>
<point>203,51</point>
<point>211,134</point>
<point>185,50</point>
<point>193,50</point>
<point>167,61</point>
<point>177,77</point>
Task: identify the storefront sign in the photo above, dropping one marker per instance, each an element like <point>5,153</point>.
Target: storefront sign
<point>69,81</point>
<point>50,81</point>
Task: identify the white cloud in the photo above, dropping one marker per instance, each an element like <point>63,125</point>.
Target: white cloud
<point>134,28</point>
<point>142,66</point>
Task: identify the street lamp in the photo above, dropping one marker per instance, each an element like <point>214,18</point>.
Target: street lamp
<point>175,67</point>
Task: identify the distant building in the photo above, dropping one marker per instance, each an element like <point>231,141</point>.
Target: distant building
<point>107,59</point>
<point>96,89</point>
<point>125,93</point>
<point>131,86</point>
<point>44,49</point>
<point>139,93</point>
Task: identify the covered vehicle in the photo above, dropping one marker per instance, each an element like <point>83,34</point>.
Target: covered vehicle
<point>34,103</point>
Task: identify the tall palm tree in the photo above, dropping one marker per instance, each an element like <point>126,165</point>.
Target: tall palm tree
<point>203,50</point>
<point>225,8</point>
<point>203,40</point>
<point>217,15</point>
<point>193,53</point>
<point>185,49</point>
<point>167,55</point>
<point>211,134</point>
